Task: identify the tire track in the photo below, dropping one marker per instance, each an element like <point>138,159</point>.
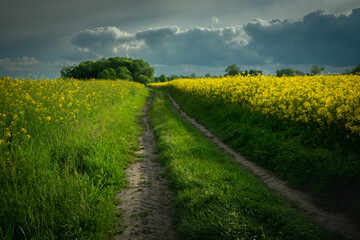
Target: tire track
<point>147,203</point>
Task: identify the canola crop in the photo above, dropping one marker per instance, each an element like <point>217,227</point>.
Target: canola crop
<point>29,104</point>
<point>325,101</point>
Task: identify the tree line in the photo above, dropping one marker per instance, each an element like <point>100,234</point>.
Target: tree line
<point>130,69</point>
<point>140,71</point>
<point>230,70</point>
<point>234,70</point>
<point>315,70</point>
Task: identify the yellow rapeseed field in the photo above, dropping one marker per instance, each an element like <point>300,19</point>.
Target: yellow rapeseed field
<point>329,101</point>
<point>28,104</point>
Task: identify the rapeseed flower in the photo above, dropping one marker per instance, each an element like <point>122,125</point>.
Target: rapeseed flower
<point>329,101</point>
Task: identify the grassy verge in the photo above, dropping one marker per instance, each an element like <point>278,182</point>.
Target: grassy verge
<point>61,181</point>
<point>214,197</point>
<point>308,160</point>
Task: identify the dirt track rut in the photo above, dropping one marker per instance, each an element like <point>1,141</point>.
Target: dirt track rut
<point>147,203</point>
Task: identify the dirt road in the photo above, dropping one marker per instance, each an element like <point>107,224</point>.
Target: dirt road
<point>147,203</point>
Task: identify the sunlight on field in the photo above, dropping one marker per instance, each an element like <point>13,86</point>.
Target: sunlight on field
<point>29,104</point>
<point>64,145</point>
<point>329,101</point>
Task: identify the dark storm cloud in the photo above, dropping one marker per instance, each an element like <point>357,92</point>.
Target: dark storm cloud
<point>104,40</point>
<point>24,18</point>
<point>15,64</point>
<point>54,33</point>
<point>156,38</point>
<point>101,42</point>
<point>29,65</point>
<point>170,45</point>
<point>198,46</point>
<point>109,35</point>
<point>320,38</point>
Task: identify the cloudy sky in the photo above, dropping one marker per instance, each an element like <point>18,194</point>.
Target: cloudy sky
<point>179,37</point>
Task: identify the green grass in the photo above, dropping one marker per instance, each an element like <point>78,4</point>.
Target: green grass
<point>62,183</point>
<point>327,167</point>
<point>214,197</point>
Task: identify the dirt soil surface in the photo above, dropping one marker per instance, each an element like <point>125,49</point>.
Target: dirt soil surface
<point>332,221</point>
<point>147,203</point>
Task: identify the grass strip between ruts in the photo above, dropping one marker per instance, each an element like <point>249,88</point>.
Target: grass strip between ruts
<point>214,197</point>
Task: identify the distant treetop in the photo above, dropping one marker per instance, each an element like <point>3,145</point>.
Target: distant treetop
<point>232,70</point>
<point>356,70</point>
<point>315,70</point>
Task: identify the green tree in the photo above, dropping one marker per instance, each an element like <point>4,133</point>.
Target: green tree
<point>172,77</point>
<point>103,74</point>
<point>285,72</point>
<point>84,70</point>
<point>255,72</point>
<point>66,72</point>
<point>162,78</point>
<point>315,69</point>
<point>111,68</point>
<point>108,73</point>
<point>143,79</point>
<point>193,75</point>
<point>123,73</point>
<point>232,70</point>
<point>356,70</point>
<point>148,72</point>
<point>207,75</point>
